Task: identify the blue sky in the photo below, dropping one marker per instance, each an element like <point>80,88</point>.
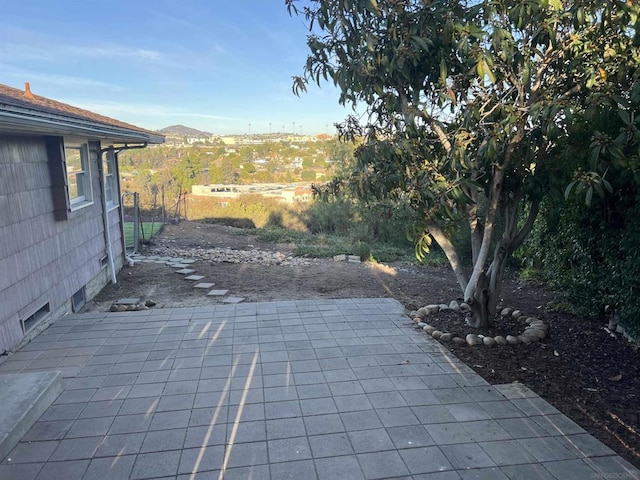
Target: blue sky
<point>216,65</point>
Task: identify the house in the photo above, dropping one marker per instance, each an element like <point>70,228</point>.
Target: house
<point>61,236</point>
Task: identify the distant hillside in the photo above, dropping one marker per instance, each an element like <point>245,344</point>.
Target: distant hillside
<point>182,131</point>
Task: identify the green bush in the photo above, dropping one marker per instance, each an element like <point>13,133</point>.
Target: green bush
<point>591,257</point>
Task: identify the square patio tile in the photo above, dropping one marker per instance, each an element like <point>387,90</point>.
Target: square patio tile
<point>288,449</point>
<point>26,452</point>
<point>303,469</point>
<point>156,465</point>
<point>330,445</point>
<point>507,452</point>
<point>381,465</point>
<point>338,467</point>
<point>113,468</point>
<point>425,460</point>
<point>375,440</point>
<point>467,455</point>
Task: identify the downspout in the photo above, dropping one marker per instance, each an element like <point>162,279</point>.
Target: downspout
<point>105,213</point>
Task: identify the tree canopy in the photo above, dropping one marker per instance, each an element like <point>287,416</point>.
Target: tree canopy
<point>474,109</point>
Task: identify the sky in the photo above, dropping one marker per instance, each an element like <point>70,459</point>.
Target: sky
<point>222,66</point>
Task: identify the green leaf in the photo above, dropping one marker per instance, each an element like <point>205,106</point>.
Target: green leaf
<point>624,116</point>
<point>555,4</point>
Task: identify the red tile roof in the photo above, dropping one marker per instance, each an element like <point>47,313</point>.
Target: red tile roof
<point>26,100</point>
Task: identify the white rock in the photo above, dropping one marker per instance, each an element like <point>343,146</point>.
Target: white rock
<point>473,339</point>
<point>443,307</point>
<point>506,311</point>
<point>535,332</point>
<point>500,340</point>
<point>429,329</point>
<point>458,340</point>
<point>446,337</point>
<point>489,341</point>
<point>511,340</point>
<point>525,339</point>
<point>516,314</point>
<point>436,334</point>
<point>464,307</point>
<point>422,324</point>
<point>453,304</point>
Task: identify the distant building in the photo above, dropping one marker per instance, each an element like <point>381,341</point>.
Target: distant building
<point>292,193</point>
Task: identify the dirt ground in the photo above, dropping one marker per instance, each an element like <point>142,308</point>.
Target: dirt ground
<point>586,372</point>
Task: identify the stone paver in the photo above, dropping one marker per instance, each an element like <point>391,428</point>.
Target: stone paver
<point>194,278</point>
<point>203,285</point>
<point>233,300</point>
<point>280,390</point>
<point>218,293</point>
<point>185,271</point>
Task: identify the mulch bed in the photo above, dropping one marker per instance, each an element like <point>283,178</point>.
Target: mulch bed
<point>587,373</point>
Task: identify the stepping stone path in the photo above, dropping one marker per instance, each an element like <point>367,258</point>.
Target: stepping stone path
<point>182,265</point>
<point>217,293</point>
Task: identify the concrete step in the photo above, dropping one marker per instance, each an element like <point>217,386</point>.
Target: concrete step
<point>24,397</point>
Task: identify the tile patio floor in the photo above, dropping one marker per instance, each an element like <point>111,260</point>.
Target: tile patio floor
<point>335,389</point>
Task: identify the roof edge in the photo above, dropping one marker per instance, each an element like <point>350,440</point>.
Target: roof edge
<point>20,119</point>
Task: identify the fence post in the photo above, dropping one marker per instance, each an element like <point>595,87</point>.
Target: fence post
<point>136,224</point>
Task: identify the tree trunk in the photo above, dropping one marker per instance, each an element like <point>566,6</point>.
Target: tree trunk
<point>481,314</point>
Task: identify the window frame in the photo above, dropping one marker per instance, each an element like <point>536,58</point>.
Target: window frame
<point>82,176</point>
<point>110,178</point>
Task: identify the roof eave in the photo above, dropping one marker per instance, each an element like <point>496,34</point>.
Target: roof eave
<point>23,121</point>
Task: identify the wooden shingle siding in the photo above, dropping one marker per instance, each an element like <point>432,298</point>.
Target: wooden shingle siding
<point>44,260</point>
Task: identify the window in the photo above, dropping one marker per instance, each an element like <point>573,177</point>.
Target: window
<point>78,174</point>
<point>110,179</point>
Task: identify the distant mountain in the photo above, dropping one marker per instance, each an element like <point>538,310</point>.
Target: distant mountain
<point>182,131</point>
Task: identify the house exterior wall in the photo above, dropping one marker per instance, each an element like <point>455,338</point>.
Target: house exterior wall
<point>44,260</point>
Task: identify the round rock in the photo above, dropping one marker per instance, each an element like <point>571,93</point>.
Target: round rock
<point>458,340</point>
<point>511,340</point>
<point>525,339</point>
<point>516,314</point>
<point>506,311</point>
<point>446,337</point>
<point>436,334</point>
<point>422,324</point>
<point>429,329</point>
<point>464,307</point>
<point>473,339</point>
<point>500,340</point>
<point>534,332</point>
<point>489,341</point>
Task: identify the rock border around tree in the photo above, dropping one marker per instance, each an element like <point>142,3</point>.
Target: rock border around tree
<point>534,331</point>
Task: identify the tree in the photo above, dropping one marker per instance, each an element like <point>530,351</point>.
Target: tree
<point>470,104</point>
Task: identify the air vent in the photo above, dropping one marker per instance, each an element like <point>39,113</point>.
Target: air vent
<point>78,300</point>
<point>34,319</point>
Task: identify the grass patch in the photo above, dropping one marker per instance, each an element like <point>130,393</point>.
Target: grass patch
<point>326,246</point>
<point>147,231</point>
